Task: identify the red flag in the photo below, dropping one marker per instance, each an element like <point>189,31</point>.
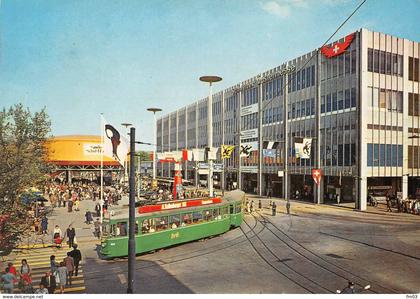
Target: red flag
<point>337,48</point>
<point>317,175</point>
<point>151,156</point>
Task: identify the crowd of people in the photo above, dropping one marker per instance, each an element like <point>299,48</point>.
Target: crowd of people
<point>59,275</point>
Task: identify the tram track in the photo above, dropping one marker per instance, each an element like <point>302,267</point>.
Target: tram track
<point>317,260</point>
<point>272,265</point>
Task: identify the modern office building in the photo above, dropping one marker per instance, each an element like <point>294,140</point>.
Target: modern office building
<point>357,100</point>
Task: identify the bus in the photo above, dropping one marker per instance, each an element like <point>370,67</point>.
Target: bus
<point>169,223</point>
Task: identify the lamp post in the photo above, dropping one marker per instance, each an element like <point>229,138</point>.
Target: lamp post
<point>210,80</point>
<point>154,110</point>
<point>131,215</point>
<point>126,125</point>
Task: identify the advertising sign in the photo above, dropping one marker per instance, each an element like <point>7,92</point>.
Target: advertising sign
<point>249,109</point>
<point>92,149</point>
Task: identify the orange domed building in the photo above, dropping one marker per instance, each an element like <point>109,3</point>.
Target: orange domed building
<point>78,153</point>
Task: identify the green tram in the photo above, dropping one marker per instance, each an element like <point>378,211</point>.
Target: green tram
<point>173,222</point>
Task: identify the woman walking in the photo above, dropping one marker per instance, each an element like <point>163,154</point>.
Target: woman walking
<point>62,274</point>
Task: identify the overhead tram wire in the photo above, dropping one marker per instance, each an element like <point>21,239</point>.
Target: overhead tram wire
<point>316,52</point>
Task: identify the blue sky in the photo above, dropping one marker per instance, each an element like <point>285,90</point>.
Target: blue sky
<point>82,57</point>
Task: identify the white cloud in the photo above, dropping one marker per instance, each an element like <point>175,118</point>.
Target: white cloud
<point>277,9</point>
<point>284,8</point>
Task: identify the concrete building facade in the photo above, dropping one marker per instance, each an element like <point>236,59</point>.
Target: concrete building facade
<point>360,108</point>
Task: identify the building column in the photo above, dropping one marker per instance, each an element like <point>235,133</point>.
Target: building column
<point>361,201</point>
<point>260,179</point>
<point>404,186</point>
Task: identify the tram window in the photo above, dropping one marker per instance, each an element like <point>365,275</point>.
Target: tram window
<point>225,212</point>
<point>121,229</point>
<point>148,226</point>
<point>197,217</point>
<point>207,215</point>
<point>231,209</point>
<point>186,219</point>
<point>161,223</point>
<point>136,228</point>
<point>216,214</point>
<point>238,208</point>
<point>174,221</point>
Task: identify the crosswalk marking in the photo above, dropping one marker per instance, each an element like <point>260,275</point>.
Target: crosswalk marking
<point>39,261</point>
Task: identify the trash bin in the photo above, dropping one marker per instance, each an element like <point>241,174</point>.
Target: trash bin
<point>274,209</point>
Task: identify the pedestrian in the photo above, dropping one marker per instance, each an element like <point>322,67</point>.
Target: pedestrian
<point>8,280</point>
<point>77,257</point>
<point>388,204</point>
<point>248,206</point>
<point>42,289</point>
<point>98,210</point>
<point>49,282</point>
<point>71,234</point>
<point>349,289</point>
<point>288,207</point>
<point>44,225</point>
<point>62,275</point>
<point>76,204</point>
<point>98,228</point>
<point>88,217</point>
<point>13,271</point>
<point>70,206</point>
<point>25,271</point>
<point>57,236</point>
<point>69,262</point>
<point>53,264</point>
<point>252,206</point>
<point>259,205</point>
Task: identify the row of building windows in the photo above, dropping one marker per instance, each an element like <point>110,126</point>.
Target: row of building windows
<point>250,96</point>
<point>302,108</point>
<point>202,112</point>
<point>413,104</point>
<point>301,79</point>
<point>231,103</point>
<point>390,100</point>
<point>413,156</point>
<point>385,62</point>
<point>338,155</point>
<point>339,65</point>
<point>413,69</point>
<point>249,121</point>
<point>338,100</point>
<point>384,155</point>
<point>272,115</point>
<point>384,127</point>
<point>217,108</point>
<point>273,88</point>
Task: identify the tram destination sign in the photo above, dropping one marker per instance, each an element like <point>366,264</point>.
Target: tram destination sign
<point>179,205</point>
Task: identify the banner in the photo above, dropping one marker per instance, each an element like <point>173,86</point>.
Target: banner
<point>317,175</point>
<point>269,153</point>
<point>198,154</point>
<point>303,148</point>
<point>187,155</point>
<point>227,151</point>
<point>115,145</point>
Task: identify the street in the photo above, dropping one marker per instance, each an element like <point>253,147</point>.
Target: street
<point>316,249</point>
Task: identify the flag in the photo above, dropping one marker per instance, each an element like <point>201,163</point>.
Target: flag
<point>198,154</point>
<point>211,153</point>
<point>337,48</point>
<point>227,151</point>
<point>115,145</point>
<point>187,155</point>
<point>317,175</point>
<point>245,150</point>
<point>303,148</point>
<point>270,144</point>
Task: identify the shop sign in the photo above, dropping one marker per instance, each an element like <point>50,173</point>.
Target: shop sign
<point>249,109</point>
<point>92,149</point>
<point>249,169</point>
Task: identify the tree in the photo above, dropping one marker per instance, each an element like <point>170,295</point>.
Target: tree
<point>23,165</point>
<point>144,156</point>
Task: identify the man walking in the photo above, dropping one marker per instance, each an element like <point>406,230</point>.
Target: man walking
<point>77,257</point>
<point>71,233</point>
<point>69,262</point>
<point>44,225</point>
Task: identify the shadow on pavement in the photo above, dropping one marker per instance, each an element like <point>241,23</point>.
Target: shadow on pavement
<point>110,277</point>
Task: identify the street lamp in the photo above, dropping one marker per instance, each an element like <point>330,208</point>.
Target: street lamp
<point>126,125</point>
<point>210,80</point>
<point>154,110</point>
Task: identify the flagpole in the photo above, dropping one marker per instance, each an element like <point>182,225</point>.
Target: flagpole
<point>102,168</point>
